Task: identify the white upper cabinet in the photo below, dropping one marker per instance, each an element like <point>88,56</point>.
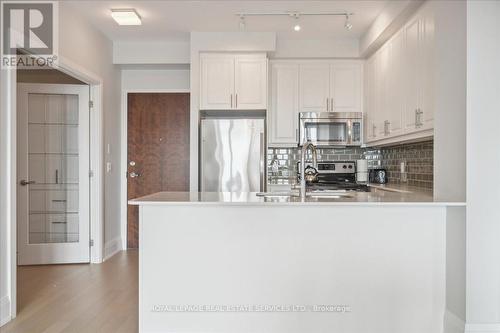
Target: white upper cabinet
<point>250,83</point>
<point>345,87</point>
<point>395,101</point>
<point>412,57</point>
<point>400,84</point>
<point>284,112</point>
<point>331,86</point>
<point>370,104</point>
<point>233,81</point>
<point>217,82</point>
<point>428,71</point>
<point>419,57</point>
<point>314,87</point>
<point>310,86</point>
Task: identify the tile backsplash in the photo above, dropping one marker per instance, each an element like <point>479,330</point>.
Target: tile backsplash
<point>282,162</point>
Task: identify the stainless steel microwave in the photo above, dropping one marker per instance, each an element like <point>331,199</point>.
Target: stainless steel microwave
<point>331,128</point>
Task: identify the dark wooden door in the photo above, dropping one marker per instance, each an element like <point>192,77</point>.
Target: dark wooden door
<point>158,149</point>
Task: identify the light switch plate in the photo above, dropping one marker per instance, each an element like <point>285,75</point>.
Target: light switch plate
<point>108,167</point>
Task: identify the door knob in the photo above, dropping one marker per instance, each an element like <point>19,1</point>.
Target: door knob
<point>26,182</point>
<point>134,174</point>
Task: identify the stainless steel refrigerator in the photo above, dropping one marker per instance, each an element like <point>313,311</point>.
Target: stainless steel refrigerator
<point>232,154</point>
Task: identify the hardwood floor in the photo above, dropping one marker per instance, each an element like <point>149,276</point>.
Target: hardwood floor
<point>78,298</point>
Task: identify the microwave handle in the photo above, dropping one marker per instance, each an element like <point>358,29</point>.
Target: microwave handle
<point>349,131</point>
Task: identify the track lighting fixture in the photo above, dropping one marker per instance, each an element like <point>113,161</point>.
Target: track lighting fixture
<point>296,16</point>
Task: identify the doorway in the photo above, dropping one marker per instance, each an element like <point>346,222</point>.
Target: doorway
<point>157,149</point>
<point>53,159</point>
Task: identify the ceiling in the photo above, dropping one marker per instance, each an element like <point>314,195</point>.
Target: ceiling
<point>174,20</point>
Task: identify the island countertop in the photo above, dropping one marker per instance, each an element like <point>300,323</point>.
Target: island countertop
<point>377,196</point>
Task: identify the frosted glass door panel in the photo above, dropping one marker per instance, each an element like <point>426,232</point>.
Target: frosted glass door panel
<point>53,165</point>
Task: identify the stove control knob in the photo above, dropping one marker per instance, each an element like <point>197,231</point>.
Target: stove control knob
<point>350,166</point>
<point>344,166</point>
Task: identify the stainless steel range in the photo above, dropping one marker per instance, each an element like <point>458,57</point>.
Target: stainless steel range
<point>334,176</point>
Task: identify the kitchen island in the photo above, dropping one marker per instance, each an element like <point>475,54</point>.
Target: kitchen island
<point>235,262</point>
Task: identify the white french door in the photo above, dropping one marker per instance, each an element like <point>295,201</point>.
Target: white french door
<point>53,174</point>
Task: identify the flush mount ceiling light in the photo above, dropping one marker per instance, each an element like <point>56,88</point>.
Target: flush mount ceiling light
<point>297,15</point>
<point>126,16</point>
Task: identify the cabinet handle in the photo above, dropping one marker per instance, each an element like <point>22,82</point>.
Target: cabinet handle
<point>231,101</point>
<point>374,130</point>
<point>387,125</point>
<point>236,103</point>
<point>331,105</point>
<point>327,104</point>
<point>418,118</point>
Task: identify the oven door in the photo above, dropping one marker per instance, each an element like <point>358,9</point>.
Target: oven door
<point>329,132</point>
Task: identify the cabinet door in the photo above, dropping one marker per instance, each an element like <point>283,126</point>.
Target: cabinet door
<point>412,82</point>
<point>395,93</point>
<point>426,72</point>
<point>314,87</point>
<point>381,87</point>
<point>217,82</point>
<point>250,83</point>
<point>283,115</point>
<point>345,87</point>
<point>370,109</point>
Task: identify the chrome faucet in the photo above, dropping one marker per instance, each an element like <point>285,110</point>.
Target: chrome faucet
<point>305,147</point>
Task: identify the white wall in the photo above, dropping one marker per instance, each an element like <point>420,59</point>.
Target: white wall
<point>316,48</point>
<point>84,45</point>
<point>7,194</point>
<point>450,100</point>
<point>455,267</point>
<point>154,79</point>
<point>483,160</point>
<point>151,52</point>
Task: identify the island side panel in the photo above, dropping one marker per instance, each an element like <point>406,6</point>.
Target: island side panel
<point>385,265</point>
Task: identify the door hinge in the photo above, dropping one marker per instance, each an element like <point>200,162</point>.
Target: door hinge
<point>91,173</point>
<point>91,243</point>
<point>91,104</point>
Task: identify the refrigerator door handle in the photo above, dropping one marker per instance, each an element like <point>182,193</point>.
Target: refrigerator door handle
<point>262,163</point>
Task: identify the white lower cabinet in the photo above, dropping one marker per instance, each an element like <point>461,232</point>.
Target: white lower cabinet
<point>399,84</point>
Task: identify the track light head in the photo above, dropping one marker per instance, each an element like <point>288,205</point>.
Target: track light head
<point>347,24</point>
<point>242,23</point>
<point>297,26</point>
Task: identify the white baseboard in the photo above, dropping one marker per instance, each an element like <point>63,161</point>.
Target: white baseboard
<point>5,315</point>
<point>453,323</point>
<point>112,247</point>
<point>482,328</point>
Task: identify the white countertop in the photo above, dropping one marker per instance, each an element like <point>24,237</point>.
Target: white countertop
<point>378,196</point>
